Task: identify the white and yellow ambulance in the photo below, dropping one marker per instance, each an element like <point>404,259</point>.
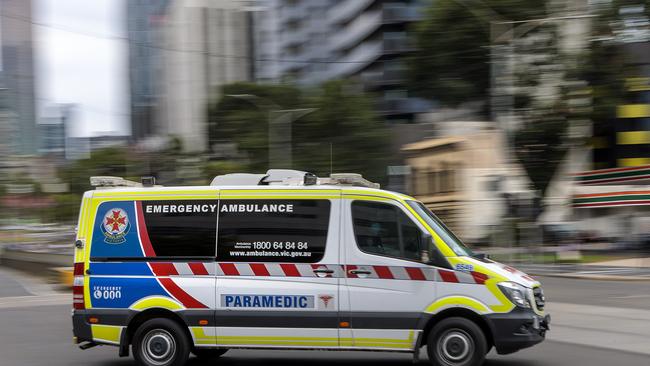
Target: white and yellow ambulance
<point>287,260</point>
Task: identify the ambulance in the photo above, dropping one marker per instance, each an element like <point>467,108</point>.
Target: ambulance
<point>288,260</point>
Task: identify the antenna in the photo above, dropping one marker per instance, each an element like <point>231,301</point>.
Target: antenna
<point>331,170</point>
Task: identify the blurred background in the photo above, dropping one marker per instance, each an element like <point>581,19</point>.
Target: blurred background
<point>524,125</point>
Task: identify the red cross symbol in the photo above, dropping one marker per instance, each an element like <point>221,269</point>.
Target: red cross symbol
<point>116,220</point>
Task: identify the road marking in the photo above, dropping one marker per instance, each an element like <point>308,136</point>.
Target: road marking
<point>29,301</point>
<point>630,297</point>
<point>619,270</point>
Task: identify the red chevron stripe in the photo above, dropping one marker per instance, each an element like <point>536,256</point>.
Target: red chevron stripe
<point>180,295</point>
<point>259,269</point>
<point>415,273</point>
<point>229,269</point>
<point>198,268</point>
<point>290,270</point>
<point>479,278</point>
<point>163,269</point>
<point>383,272</point>
<point>448,276</point>
<point>529,278</point>
<point>143,233</point>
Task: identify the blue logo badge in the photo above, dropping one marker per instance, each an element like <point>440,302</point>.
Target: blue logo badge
<point>115,226</point>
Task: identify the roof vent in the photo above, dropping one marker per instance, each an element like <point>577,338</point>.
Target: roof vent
<point>351,179</point>
<point>286,177</point>
<point>238,179</point>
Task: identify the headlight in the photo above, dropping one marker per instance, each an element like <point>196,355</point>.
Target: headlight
<point>516,293</point>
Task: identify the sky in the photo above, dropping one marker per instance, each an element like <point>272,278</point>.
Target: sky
<point>81,58</point>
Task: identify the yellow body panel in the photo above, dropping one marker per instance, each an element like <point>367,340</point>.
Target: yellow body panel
<point>156,302</point>
<point>455,301</point>
<point>201,338</point>
<point>106,333</point>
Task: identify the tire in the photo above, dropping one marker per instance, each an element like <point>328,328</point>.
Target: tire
<point>456,342</point>
<point>160,342</point>
<point>209,353</point>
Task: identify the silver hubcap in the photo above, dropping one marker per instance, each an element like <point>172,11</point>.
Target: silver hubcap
<point>159,347</point>
<point>455,346</point>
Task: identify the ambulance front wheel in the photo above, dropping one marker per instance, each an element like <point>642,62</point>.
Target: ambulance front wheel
<point>161,342</point>
<point>456,342</point>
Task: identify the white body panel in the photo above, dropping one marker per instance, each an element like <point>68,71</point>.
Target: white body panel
<point>384,296</point>
<point>308,284</point>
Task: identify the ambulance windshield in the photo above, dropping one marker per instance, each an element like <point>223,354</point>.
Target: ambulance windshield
<point>441,229</point>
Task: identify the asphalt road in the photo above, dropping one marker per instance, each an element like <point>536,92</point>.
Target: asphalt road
<point>9,287</point>
<point>544,269</point>
<point>35,332</point>
<point>40,336</point>
<point>620,294</point>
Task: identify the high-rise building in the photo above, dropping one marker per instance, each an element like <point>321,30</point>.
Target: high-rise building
<point>18,70</point>
<point>206,44</point>
<point>310,41</point>
<point>369,41</point>
<point>8,126</point>
<point>292,40</point>
<point>145,18</point>
<point>53,128</point>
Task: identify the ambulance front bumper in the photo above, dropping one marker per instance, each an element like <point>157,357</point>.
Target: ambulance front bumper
<point>518,329</point>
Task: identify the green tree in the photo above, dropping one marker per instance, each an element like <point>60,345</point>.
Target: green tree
<point>243,121</point>
<point>109,161</point>
<point>452,61</point>
<point>213,168</point>
<point>344,120</point>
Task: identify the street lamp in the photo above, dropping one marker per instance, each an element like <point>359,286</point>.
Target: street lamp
<point>280,122</point>
<point>502,36</point>
<point>503,33</point>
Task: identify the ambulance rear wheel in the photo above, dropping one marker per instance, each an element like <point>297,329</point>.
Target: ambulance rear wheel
<point>209,353</point>
<point>160,342</point>
<point>456,342</point>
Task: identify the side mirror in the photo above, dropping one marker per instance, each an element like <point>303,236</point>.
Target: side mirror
<point>431,255</point>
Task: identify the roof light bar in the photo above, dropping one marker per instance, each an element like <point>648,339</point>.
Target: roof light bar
<point>108,181</point>
<point>288,177</point>
<point>352,179</point>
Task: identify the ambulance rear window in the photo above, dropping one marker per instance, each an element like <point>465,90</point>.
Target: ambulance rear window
<point>182,228</point>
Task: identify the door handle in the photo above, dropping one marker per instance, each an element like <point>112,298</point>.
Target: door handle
<point>324,271</point>
<point>358,272</point>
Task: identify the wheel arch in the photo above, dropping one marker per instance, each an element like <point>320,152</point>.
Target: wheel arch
<point>153,313</point>
<point>460,312</point>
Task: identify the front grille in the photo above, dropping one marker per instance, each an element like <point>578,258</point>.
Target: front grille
<point>540,300</point>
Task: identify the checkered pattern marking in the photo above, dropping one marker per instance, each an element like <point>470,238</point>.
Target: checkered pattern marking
<point>316,270</point>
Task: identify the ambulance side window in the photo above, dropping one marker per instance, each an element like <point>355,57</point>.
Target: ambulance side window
<point>384,229</point>
<point>269,230</point>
